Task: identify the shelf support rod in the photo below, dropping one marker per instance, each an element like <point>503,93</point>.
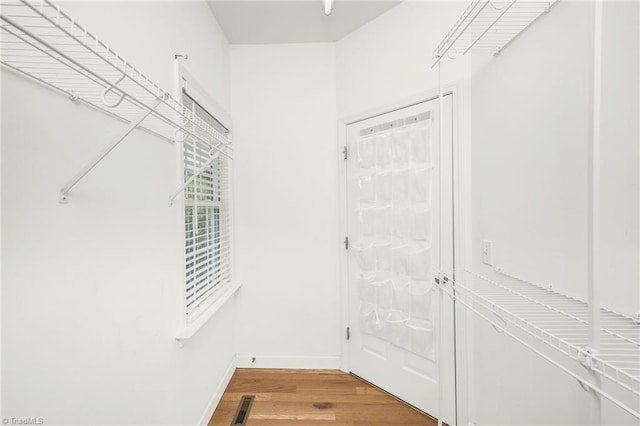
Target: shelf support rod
<point>105,151</point>
<point>214,154</point>
<point>443,277</point>
<point>593,232</point>
<point>595,272</point>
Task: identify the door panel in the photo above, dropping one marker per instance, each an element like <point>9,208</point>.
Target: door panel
<point>400,227</point>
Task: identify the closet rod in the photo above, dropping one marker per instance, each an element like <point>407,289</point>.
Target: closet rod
<point>74,97</point>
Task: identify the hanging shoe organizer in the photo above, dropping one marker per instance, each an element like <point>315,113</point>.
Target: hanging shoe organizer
<point>393,250</point>
<point>43,43</point>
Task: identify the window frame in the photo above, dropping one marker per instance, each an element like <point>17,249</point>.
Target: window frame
<point>187,84</point>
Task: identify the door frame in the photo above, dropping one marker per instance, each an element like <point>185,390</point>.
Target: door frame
<point>461,222</point>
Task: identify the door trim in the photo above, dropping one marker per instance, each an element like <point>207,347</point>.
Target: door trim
<point>462,221</point>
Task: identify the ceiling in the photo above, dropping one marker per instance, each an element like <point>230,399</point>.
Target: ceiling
<point>301,21</point>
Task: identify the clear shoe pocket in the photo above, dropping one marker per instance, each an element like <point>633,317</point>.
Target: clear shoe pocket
<point>400,296</point>
<point>366,153</point>
<point>383,151</point>
<point>421,300</point>
<point>383,293</point>
<point>366,189</point>
<point>421,338</point>
<point>400,185</point>
<point>370,320</point>
<point>420,224</point>
<point>399,220</point>
<point>421,186</point>
<point>365,256</point>
<point>366,289</point>
<point>383,257</point>
<point>395,329</point>
<point>365,218</point>
<point>383,221</point>
<point>401,148</point>
<point>383,186</point>
<point>421,144</point>
<point>419,264</point>
<point>400,260</point>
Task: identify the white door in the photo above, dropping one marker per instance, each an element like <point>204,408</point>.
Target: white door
<point>400,232</point>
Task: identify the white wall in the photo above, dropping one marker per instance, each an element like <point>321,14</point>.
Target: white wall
<point>90,289</point>
<point>529,111</point>
<point>286,177</point>
<point>389,60</point>
<point>285,99</point>
<point>538,92</point>
<point>530,130</point>
<point>620,163</point>
<point>530,140</point>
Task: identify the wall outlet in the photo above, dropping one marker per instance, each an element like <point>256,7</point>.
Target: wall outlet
<point>487,252</point>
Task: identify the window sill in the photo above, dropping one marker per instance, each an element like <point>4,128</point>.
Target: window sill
<point>189,331</point>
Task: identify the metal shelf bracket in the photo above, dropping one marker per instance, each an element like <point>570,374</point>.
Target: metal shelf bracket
<point>62,198</point>
<point>586,359</point>
<point>214,153</point>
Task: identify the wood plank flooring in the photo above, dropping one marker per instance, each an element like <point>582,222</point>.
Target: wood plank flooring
<point>312,397</point>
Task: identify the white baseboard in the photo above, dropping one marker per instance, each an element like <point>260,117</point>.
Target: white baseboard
<point>301,362</point>
<point>217,394</point>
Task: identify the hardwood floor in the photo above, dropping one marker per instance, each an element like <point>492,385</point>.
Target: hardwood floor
<point>312,397</point>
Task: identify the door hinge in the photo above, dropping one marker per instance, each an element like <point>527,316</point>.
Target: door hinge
<point>346,243</point>
<point>348,334</point>
<point>345,152</point>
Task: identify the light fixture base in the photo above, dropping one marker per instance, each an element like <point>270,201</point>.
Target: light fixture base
<point>327,7</point>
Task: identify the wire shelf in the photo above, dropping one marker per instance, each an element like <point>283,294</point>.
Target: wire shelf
<point>558,322</point>
<point>488,26</point>
<point>42,42</point>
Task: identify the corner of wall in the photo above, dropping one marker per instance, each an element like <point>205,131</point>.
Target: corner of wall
<point>216,397</point>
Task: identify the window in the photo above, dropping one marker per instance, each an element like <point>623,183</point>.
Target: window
<point>207,228</point>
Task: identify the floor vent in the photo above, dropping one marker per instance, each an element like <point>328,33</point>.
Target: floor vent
<point>242,414</point>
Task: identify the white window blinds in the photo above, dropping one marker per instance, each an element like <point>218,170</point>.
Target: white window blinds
<point>207,219</point>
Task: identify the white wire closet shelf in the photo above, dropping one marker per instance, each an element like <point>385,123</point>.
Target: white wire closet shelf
<point>488,26</point>
<point>42,42</point>
<point>558,322</point>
